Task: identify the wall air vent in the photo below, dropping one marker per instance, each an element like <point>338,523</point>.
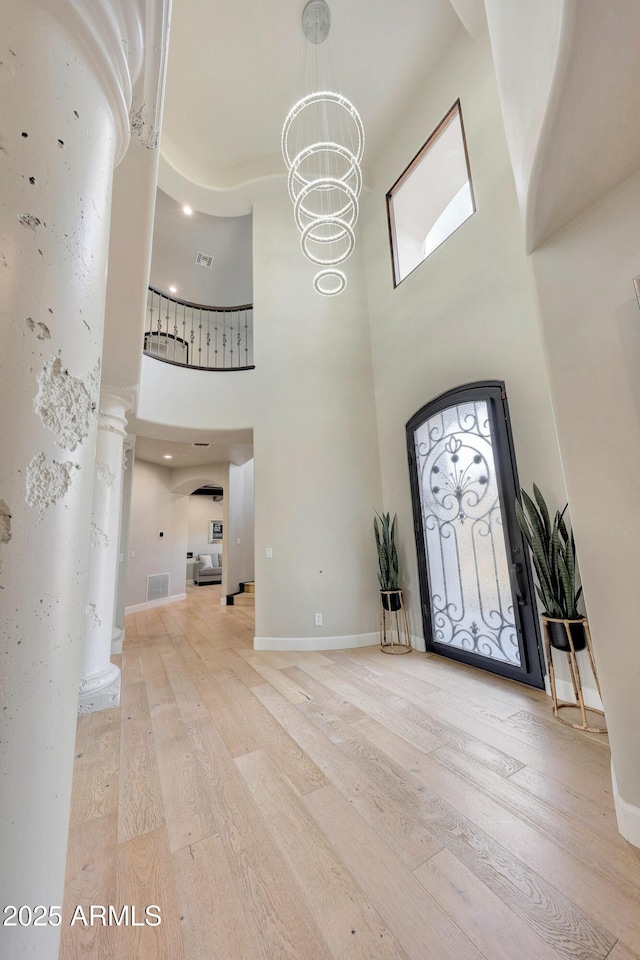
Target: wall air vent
<point>198,443</point>
<point>204,260</point>
<point>157,586</point>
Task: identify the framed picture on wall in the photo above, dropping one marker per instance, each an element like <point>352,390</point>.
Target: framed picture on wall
<point>215,530</point>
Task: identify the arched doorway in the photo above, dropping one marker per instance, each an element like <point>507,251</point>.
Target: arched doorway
<point>475,581</point>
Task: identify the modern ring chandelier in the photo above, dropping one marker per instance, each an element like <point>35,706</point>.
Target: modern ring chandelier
<point>322,144</point>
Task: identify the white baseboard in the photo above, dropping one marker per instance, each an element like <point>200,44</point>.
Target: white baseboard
<point>627,815</point>
<point>564,689</point>
<point>316,643</point>
<point>326,643</point>
<point>137,607</point>
<point>223,600</point>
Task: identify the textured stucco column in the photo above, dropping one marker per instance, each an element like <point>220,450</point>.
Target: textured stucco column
<point>65,93</point>
<point>100,679</point>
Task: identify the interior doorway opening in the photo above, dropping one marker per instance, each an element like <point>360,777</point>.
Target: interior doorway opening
<point>192,497</point>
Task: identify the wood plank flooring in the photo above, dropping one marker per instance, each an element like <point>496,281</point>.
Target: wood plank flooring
<point>337,806</point>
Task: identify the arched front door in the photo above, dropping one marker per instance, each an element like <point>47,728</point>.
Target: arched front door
<point>475,580</point>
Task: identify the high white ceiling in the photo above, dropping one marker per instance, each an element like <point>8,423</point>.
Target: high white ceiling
<point>234,73</point>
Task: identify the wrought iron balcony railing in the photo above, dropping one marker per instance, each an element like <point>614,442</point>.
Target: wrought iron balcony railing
<point>198,336</point>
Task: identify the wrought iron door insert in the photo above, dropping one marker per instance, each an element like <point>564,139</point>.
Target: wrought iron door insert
<point>474,574</point>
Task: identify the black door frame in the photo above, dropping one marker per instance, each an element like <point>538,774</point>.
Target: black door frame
<point>525,609</point>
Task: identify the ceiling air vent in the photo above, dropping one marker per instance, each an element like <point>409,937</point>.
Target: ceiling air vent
<point>204,260</point>
<point>198,444</point>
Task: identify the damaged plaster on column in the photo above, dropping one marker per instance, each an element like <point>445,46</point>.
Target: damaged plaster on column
<point>93,617</point>
<point>104,473</point>
<point>99,537</point>
<point>66,404</point>
<point>143,124</point>
<point>5,527</point>
<point>5,523</point>
<point>29,220</point>
<point>47,483</point>
<point>40,329</point>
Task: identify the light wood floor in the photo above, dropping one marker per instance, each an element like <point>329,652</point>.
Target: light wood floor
<point>344,805</point>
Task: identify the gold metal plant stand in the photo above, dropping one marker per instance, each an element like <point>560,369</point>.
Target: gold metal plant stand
<point>574,671</point>
<point>394,629</point>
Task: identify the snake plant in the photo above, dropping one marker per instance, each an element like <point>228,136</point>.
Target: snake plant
<point>387,553</point>
<point>553,551</point>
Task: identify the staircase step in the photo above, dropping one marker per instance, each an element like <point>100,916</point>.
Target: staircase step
<point>249,586</point>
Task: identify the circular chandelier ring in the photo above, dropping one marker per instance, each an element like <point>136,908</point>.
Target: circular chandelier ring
<point>331,261</point>
<point>351,207</point>
<point>332,238</point>
<point>313,150</point>
<point>321,287</point>
<point>319,186</point>
<point>323,188</point>
<point>322,96</point>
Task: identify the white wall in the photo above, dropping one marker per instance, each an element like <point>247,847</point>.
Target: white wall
<point>200,511</point>
<point>234,529</point>
<point>468,312</point>
<point>248,521</point>
<point>591,326</point>
<point>239,532</point>
<point>154,508</point>
<point>317,476</point>
<point>526,43</point>
<point>178,238</point>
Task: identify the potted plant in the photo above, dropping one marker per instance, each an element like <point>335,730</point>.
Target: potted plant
<point>553,551</point>
<point>385,532</point>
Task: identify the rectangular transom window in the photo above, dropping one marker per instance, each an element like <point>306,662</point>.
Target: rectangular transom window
<point>432,198</point>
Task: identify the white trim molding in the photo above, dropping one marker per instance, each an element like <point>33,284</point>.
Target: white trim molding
<point>564,689</point>
<point>316,643</point>
<point>125,41</point>
<point>326,643</point>
<point>137,607</point>
<point>627,815</point>
<point>103,30</point>
<point>100,691</point>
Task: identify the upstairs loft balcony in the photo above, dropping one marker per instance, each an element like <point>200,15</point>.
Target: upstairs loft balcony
<point>199,336</point>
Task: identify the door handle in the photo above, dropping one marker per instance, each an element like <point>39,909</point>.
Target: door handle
<point>517,579</point>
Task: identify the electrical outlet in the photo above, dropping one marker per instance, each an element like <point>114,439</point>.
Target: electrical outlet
<point>268,552</point>
<point>318,619</point>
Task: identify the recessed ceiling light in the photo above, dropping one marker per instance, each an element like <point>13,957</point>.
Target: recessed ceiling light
<point>173,289</point>
<point>187,209</point>
<point>168,456</point>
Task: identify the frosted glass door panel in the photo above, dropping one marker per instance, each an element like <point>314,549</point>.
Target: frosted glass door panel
<point>471,601</point>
